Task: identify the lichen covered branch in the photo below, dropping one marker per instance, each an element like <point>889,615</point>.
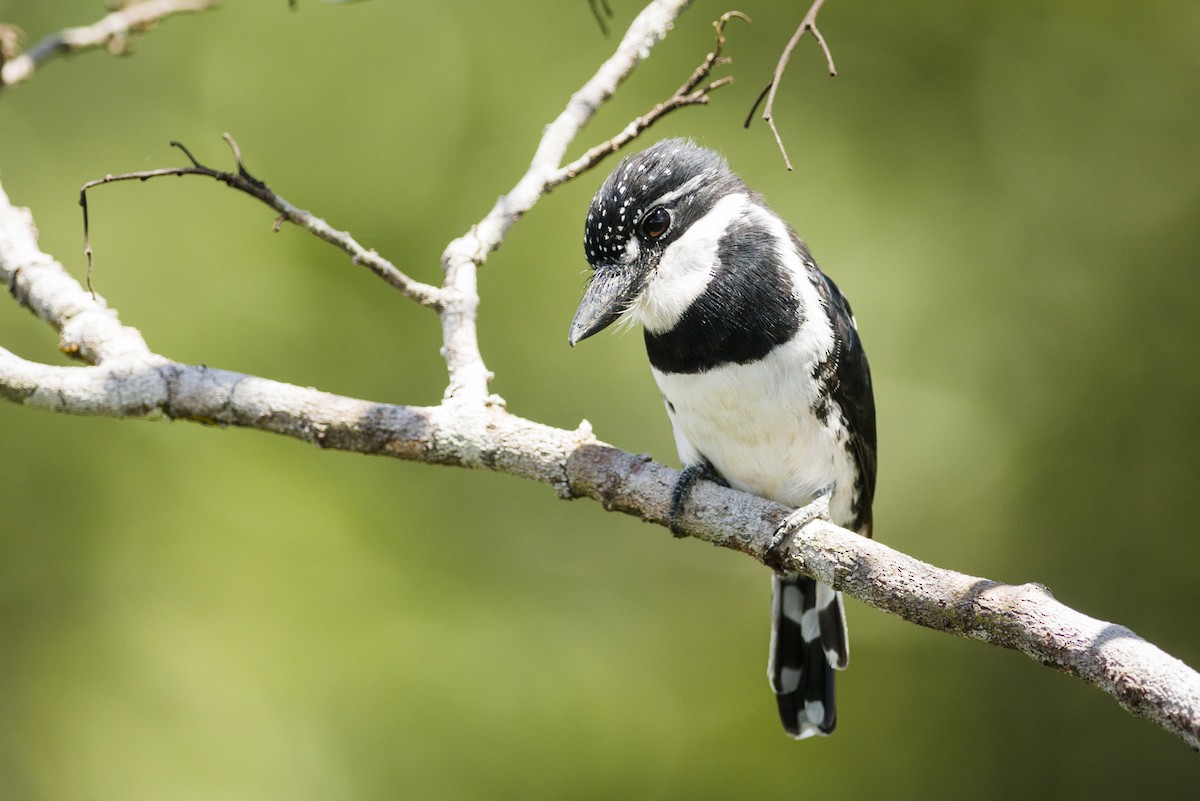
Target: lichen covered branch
<point>111,33</point>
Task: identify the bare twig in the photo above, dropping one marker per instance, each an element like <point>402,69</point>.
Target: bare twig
<point>111,33</point>
<point>243,181</point>
<point>88,329</point>
<point>809,23</point>
<point>600,10</point>
<point>689,94</point>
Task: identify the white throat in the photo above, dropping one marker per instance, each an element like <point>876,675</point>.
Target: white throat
<point>687,266</point>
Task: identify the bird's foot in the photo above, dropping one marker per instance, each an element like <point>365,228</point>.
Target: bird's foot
<point>683,489</point>
<point>818,509</point>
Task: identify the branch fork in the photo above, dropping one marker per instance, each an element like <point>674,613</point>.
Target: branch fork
<point>809,23</point>
<point>111,33</point>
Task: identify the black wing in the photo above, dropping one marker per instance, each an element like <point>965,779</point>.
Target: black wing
<point>846,377</point>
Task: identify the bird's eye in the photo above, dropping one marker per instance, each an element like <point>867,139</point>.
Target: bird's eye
<point>656,223</point>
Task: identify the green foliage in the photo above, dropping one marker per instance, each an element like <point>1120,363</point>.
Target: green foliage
<point>1008,193</point>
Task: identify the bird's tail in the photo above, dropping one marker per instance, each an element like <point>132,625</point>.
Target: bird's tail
<point>808,641</point>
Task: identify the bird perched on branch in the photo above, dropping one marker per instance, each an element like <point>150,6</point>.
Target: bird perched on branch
<point>758,359</point>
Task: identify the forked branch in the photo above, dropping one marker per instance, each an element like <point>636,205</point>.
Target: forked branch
<point>243,181</point>
<point>809,23</point>
<point>456,300</point>
<point>694,91</point>
<point>111,33</point>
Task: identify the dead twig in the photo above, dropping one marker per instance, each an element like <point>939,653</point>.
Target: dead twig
<point>111,33</point>
<point>691,93</point>
<point>600,10</point>
<point>243,181</point>
<point>809,23</point>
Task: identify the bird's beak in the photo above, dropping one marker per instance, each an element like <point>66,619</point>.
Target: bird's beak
<point>612,289</point>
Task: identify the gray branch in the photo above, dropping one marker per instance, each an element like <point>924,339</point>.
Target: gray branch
<point>469,376</point>
<point>111,32</point>
<point>1143,679</point>
<point>123,378</point>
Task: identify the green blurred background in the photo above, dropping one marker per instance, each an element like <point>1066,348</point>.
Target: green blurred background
<point>1008,192</point>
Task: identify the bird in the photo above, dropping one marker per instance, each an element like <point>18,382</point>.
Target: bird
<point>761,369</point>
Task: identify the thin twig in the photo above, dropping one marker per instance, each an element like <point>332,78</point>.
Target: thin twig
<point>110,33</point>
<point>600,10</point>
<point>243,181</point>
<point>689,94</point>
<point>809,23</point>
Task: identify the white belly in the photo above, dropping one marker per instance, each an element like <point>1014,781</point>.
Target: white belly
<point>756,426</point>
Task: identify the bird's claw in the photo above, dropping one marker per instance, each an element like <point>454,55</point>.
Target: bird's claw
<point>683,489</point>
<point>818,509</point>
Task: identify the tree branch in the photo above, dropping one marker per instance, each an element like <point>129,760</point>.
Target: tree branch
<point>111,33</point>
<point>689,94</point>
<point>243,181</point>
<point>469,376</point>
<point>87,328</point>
<point>600,10</point>
<point>1143,679</point>
<point>809,23</point>
<point>457,300</point>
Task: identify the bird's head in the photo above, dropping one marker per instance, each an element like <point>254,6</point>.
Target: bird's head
<point>643,210</point>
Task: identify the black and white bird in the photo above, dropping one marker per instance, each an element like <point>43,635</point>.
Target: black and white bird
<point>758,359</point>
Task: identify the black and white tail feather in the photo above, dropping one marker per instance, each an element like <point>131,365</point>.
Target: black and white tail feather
<point>808,642</point>
<point>758,359</point>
